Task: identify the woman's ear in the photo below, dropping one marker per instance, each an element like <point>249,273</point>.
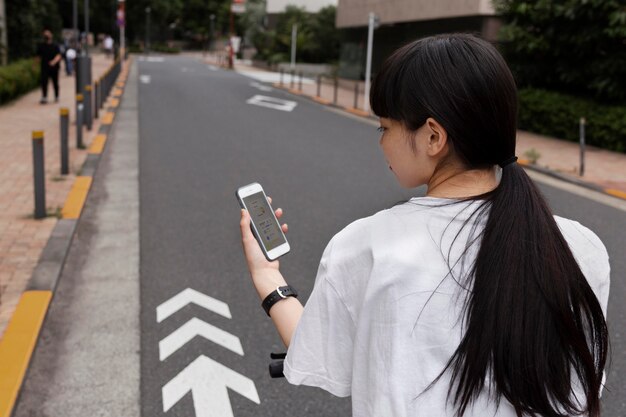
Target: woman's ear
<point>438,138</point>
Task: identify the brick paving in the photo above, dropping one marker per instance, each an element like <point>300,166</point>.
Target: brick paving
<point>22,238</point>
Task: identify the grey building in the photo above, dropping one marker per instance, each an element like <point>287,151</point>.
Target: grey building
<point>402,21</point>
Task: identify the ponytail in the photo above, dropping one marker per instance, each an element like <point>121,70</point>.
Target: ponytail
<point>534,326</point>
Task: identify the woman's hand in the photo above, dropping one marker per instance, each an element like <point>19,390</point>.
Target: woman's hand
<point>265,274</point>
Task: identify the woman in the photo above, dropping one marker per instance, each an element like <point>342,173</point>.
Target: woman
<point>474,300</point>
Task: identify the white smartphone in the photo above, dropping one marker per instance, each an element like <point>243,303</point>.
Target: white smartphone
<point>265,226</point>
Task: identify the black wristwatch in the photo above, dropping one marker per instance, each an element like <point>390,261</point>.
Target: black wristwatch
<point>278,294</point>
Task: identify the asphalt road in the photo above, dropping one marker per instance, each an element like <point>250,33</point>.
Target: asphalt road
<point>200,141</point>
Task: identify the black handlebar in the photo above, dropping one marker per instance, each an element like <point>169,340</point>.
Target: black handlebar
<point>276,367</point>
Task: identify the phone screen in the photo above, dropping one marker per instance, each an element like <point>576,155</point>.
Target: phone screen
<point>264,221</point>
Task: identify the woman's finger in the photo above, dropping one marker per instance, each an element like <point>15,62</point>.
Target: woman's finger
<point>285,228</point>
<point>278,212</point>
<point>269,199</point>
<point>244,223</point>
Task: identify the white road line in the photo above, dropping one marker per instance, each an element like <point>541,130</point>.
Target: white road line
<point>212,68</point>
<point>208,382</point>
<point>196,327</point>
<point>272,103</point>
<point>188,296</point>
<point>261,87</point>
<point>596,196</point>
<point>145,79</point>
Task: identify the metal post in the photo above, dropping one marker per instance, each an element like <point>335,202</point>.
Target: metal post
<point>335,88</point>
<point>368,62</point>
<point>65,127</point>
<point>147,44</point>
<point>39,175</point>
<point>356,93</point>
<point>282,72</point>
<point>75,25</point>
<point>300,82</point>
<point>87,105</point>
<point>4,47</point>
<point>86,13</point>
<point>291,81</point>
<point>582,146</point>
<point>294,37</point>
<point>96,92</point>
<point>319,85</point>
<point>79,121</point>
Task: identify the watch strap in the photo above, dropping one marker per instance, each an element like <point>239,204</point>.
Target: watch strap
<point>280,293</point>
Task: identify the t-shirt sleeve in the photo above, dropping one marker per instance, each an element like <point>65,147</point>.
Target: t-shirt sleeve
<point>321,349</point>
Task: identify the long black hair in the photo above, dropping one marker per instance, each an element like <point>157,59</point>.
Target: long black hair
<point>533,326</point>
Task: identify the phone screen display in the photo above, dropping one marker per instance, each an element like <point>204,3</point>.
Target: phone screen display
<point>264,221</point>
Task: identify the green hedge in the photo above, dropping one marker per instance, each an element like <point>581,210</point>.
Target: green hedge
<point>18,78</point>
<point>558,115</point>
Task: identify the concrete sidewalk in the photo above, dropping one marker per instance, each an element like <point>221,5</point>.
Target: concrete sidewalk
<point>22,238</point>
<point>604,169</point>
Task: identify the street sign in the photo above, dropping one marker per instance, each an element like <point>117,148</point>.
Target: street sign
<point>121,15</point>
<point>238,8</point>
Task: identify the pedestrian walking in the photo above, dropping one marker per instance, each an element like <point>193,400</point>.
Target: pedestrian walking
<point>108,46</point>
<point>70,56</point>
<point>49,55</point>
<point>474,300</point>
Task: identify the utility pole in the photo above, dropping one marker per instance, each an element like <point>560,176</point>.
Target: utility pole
<point>294,36</point>
<point>4,46</point>
<point>86,27</point>
<point>75,24</point>
<point>121,23</point>
<point>372,24</point>
<point>147,48</point>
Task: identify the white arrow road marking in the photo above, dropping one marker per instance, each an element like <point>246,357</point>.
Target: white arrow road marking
<point>196,327</point>
<point>212,68</point>
<point>187,296</point>
<point>144,79</point>
<point>208,382</point>
<point>272,103</point>
<point>261,86</point>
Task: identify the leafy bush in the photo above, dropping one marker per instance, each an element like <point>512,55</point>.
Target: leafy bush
<point>558,115</point>
<point>574,46</point>
<point>18,78</point>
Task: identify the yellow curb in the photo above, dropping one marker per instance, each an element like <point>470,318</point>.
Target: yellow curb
<point>117,92</point>
<point>615,193</point>
<point>107,118</point>
<point>114,102</point>
<point>320,100</point>
<point>18,344</point>
<point>523,161</point>
<point>358,112</point>
<point>76,200</point>
<point>120,83</point>
<point>98,144</point>
<point>294,91</point>
<point>278,85</point>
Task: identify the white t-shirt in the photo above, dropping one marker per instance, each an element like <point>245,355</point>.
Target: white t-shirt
<point>383,318</point>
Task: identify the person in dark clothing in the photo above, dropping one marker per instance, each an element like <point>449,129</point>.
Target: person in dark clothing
<point>50,57</point>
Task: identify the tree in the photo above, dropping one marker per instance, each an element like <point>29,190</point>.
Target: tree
<point>317,39</point>
<point>572,46</point>
<point>26,20</point>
